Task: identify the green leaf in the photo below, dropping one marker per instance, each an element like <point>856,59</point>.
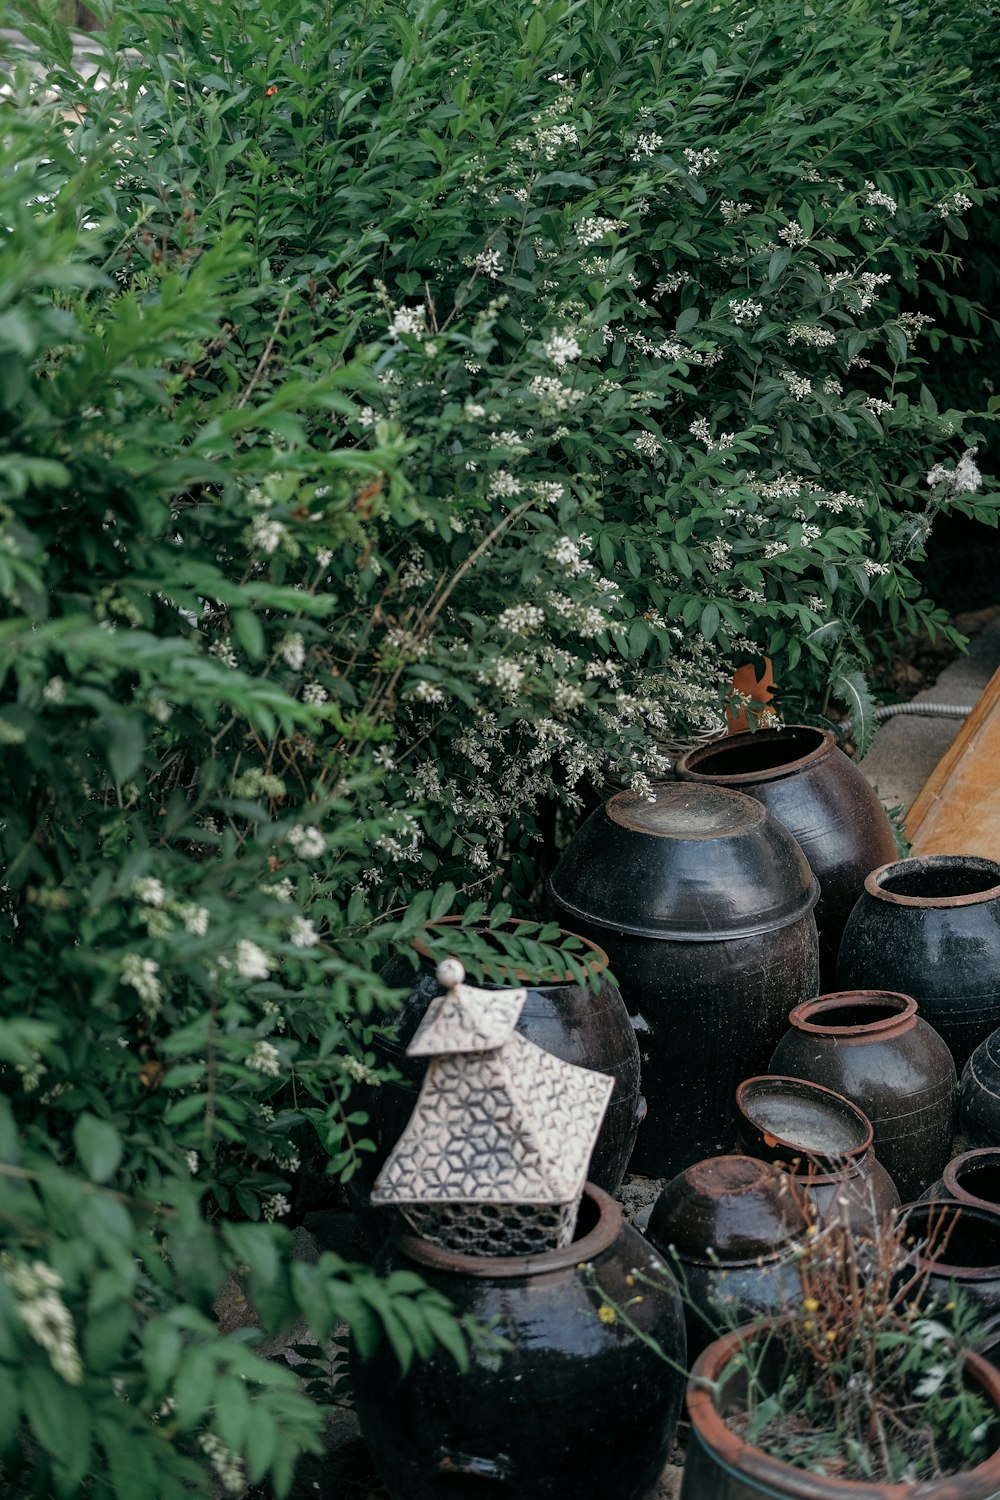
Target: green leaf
<point>687,319</point>
<point>851,689</point>
<point>98,1146</point>
<point>709,622</point>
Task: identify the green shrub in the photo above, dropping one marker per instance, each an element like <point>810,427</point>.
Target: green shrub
<point>406,415</point>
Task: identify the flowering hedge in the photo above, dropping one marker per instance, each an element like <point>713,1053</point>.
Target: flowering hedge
<point>399,431</point>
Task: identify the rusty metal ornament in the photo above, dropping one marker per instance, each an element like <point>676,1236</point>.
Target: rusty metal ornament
<point>494,1158</point>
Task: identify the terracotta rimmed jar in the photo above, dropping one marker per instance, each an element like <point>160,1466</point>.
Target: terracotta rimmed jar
<point>703,902</point>
<point>973,1177</point>
<point>824,1141</point>
<point>957,1245</point>
<point>720,1465</point>
<point>979,1094</point>
<point>931,928</point>
<point>802,776</point>
<point>578,1404</point>
<point>589,1027</point>
<point>873,1047</point>
<point>729,1228</point>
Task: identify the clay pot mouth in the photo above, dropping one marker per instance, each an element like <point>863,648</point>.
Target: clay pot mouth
<point>598,1226</point>
<point>594,959</point>
<point>939,880</point>
<point>764,755</point>
<point>768,1475</point>
<point>958,1241</point>
<point>854,1013</point>
<point>830,1130</point>
<point>974,1177</point>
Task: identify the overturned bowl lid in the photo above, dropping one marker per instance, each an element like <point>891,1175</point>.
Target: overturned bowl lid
<point>728,1210</point>
<point>685,863</point>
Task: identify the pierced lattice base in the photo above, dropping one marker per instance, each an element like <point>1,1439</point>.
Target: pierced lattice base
<point>495,1228</point>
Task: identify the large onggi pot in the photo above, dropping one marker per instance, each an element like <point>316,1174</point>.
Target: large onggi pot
<point>720,1465</point>
<point>803,777</point>
<point>931,928</point>
<point>578,1404</point>
<point>703,902</point>
<point>579,1023</point>
<point>872,1047</point>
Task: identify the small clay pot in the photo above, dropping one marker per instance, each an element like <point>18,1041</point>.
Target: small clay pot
<point>979,1094</point>
<point>703,903</point>
<point>728,1227</point>
<point>931,928</point>
<point>825,1142</point>
<point>956,1245</point>
<point>807,782</point>
<point>872,1047</point>
<point>720,1465</point>
<point>532,1421</point>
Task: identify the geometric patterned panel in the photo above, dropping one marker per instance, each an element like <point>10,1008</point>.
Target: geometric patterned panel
<point>467,1020</point>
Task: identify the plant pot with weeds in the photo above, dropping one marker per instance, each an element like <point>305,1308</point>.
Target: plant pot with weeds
<point>865,1387</point>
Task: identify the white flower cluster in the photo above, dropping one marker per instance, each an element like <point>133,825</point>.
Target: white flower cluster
<point>303,934</point>
<point>878,199</point>
<point>963,479</point>
<point>228,1467</point>
<point>264,1058</point>
<point>503,485</point>
<point>292,651</point>
<point>862,286</point>
<point>646,144</point>
<point>551,391</point>
<point>267,535</point>
<point>793,235</point>
<point>647,445</point>
<point>141,975</point>
<point>745,311</point>
<point>44,1314</point>
<point>307,841</point>
<point>274,1206</point>
<point>251,961</point>
<point>561,348</point>
<point>798,385</point>
<point>489,263</point>
<point>811,335</point>
<point>955,203</point>
<point>553,139</point>
<point>731,211</point>
<point>700,161</point>
<point>590,231</point>
<point>411,320</point>
<point>671,282</point>
<point>879,407</point>
<point>521,619</point>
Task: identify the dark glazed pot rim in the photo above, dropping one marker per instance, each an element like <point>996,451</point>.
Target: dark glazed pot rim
<point>807,1017</point>
<point>875,882</point>
<point>763,1083</point>
<point>771,1476</point>
<point>690,762</point>
<point>597,961</point>
<point>984,1156</point>
<point>936,1265</point>
<point>504,1267</point>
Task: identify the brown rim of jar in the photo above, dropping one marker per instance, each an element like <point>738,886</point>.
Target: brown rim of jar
<point>689,762</point>
<point>856,1153</point>
<point>904,1007</point>
<point>875,882</point>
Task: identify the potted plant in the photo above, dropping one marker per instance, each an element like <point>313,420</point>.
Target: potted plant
<point>863,1388</point>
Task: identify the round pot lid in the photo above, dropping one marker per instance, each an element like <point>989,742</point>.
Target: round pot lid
<point>728,1210</point>
<point>686,862</point>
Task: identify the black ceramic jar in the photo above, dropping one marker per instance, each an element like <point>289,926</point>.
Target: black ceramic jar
<point>979,1094</point>
<point>931,928</point>
<point>825,1142</point>
<point>578,1404</point>
<point>956,1245</point>
<point>973,1178</point>
<point>872,1047</point>
<point>802,776</point>
<point>703,902</point>
<point>584,1024</point>
<point>729,1227</point>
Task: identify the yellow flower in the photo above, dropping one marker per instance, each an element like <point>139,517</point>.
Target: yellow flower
<point>811,1304</point>
<point>830,1335</point>
<point>809,1325</point>
<point>605,1313</point>
<point>630,1281</point>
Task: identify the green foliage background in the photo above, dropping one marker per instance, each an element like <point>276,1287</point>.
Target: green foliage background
<point>407,415</point>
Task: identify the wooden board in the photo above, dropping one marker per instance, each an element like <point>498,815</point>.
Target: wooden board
<point>958,810</point>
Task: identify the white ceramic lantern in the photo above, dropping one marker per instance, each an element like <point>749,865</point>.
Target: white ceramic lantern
<point>495,1155</point>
